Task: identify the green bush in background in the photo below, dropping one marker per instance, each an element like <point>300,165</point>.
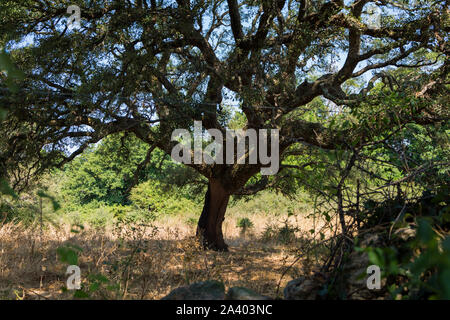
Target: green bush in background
<point>154,197</point>
<point>244,224</point>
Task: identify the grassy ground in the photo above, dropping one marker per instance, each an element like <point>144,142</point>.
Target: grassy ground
<point>148,261</point>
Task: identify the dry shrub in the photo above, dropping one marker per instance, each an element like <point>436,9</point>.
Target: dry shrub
<point>141,261</point>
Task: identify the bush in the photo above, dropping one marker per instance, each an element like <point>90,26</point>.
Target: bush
<point>131,215</point>
<point>244,224</point>
<point>160,199</point>
<point>418,269</point>
<point>98,216</point>
<point>284,234</point>
<point>23,212</point>
<point>269,203</point>
<point>27,210</point>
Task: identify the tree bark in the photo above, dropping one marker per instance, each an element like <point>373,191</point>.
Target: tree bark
<point>209,229</point>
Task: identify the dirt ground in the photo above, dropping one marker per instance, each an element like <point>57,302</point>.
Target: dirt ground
<point>146,261</point>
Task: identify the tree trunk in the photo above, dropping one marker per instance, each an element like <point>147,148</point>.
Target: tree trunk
<point>209,228</point>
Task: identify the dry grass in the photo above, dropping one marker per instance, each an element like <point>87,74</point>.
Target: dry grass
<point>147,262</point>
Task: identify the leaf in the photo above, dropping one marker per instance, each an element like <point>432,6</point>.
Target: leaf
<point>99,278</point>
<point>444,279</point>
<point>425,233</point>
<point>81,294</point>
<point>94,286</point>
<point>446,245</point>
<point>3,114</point>
<point>373,258</point>
<point>67,255</point>
<point>6,64</point>
<point>376,256</point>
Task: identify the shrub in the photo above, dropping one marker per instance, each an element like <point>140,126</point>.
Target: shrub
<point>244,224</point>
<point>160,199</point>
<point>284,234</point>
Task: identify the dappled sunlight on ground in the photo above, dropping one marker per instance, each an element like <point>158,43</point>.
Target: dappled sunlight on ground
<point>143,262</point>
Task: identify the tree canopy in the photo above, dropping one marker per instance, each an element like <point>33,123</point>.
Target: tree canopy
<point>149,67</point>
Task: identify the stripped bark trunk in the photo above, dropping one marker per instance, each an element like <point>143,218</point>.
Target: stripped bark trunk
<point>209,228</point>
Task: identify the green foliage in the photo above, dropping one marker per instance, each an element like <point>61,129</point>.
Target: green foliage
<point>68,254</point>
<point>6,189</point>
<point>244,223</point>
<point>34,207</point>
<point>238,121</point>
<point>270,203</point>
<point>97,216</point>
<point>103,176</point>
<point>431,269</point>
<point>131,215</point>
<point>54,202</point>
<point>286,234</point>
<point>14,211</point>
<point>12,74</point>
<point>161,199</point>
<point>104,173</point>
<point>418,269</point>
<point>96,285</point>
<point>385,126</point>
